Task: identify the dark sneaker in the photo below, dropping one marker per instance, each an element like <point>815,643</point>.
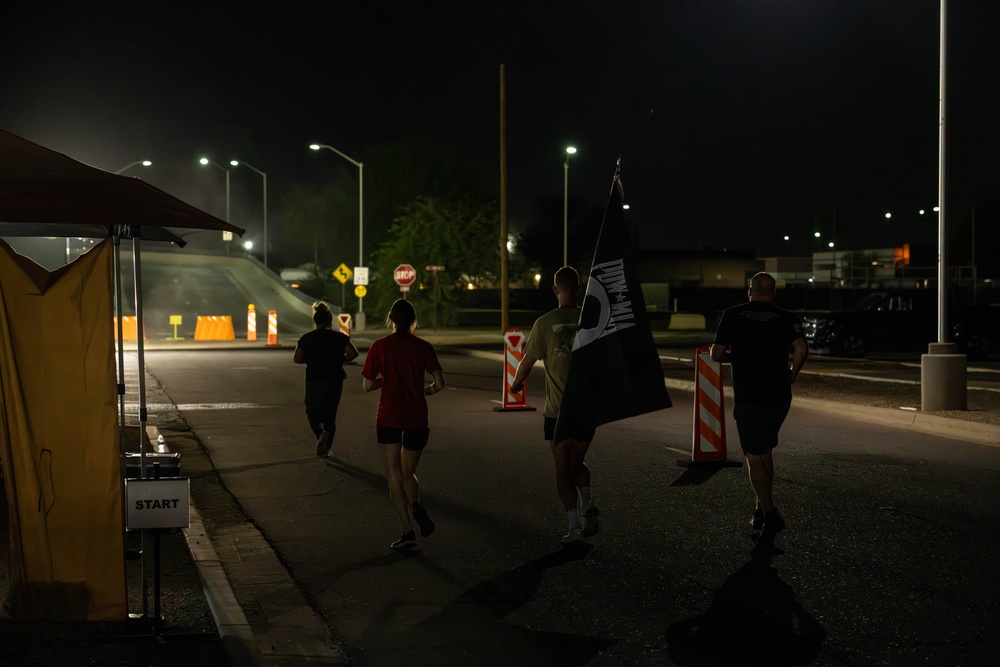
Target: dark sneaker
<point>573,536</point>
<point>407,540</point>
<point>773,523</point>
<point>323,443</point>
<point>591,521</point>
<point>757,520</point>
<point>420,516</point>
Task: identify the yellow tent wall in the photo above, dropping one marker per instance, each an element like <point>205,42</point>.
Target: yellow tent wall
<point>59,439</point>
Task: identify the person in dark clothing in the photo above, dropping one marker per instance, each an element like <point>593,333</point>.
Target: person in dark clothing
<point>324,352</point>
<point>766,348</point>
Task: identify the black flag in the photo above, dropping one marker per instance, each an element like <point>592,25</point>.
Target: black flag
<point>614,370</point>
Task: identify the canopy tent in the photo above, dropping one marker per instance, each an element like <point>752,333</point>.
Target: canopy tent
<point>45,193</point>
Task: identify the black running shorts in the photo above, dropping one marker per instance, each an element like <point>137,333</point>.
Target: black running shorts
<point>758,426</point>
<point>412,439</point>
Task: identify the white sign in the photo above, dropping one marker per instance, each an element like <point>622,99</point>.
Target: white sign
<point>514,339</point>
<point>157,503</point>
<point>360,275</point>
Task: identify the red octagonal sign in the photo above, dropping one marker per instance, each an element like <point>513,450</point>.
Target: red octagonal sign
<point>404,275</point>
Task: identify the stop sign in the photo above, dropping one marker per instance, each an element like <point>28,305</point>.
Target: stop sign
<point>404,275</point>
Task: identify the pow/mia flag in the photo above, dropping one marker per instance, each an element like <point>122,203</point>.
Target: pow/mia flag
<point>614,370</point>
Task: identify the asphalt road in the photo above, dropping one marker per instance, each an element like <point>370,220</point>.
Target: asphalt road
<point>890,556</point>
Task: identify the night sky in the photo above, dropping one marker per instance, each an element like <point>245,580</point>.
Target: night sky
<point>738,121</point>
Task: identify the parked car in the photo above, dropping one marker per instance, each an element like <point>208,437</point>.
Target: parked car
<point>898,319</point>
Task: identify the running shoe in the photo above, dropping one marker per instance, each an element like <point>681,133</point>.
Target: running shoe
<point>420,516</point>
<point>773,523</point>
<point>323,443</point>
<point>407,540</point>
<point>573,536</point>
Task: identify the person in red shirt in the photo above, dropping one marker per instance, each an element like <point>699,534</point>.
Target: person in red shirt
<point>398,364</point>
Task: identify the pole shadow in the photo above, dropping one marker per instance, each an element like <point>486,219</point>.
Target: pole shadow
<point>755,619</point>
<point>696,473</point>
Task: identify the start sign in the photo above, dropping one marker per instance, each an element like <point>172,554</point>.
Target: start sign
<point>157,503</point>
<point>404,275</point>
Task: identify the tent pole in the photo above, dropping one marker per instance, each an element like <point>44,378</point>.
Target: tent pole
<point>141,375</point>
<point>119,314</point>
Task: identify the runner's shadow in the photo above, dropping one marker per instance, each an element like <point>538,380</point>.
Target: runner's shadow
<point>472,624</point>
<point>755,619</point>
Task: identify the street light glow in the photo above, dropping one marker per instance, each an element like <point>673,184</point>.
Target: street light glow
<point>888,215</point>
<point>315,147</point>
<point>571,150</point>
<point>248,245</point>
<point>144,163</point>
<point>204,160</point>
<point>816,234</point>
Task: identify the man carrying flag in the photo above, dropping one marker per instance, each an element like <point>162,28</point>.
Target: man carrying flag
<point>551,340</point>
<point>614,370</point>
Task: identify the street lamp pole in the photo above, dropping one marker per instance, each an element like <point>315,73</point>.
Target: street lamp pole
<point>205,160</point>
<point>237,163</point>
<point>144,163</point>
<point>359,320</point>
<point>570,150</point>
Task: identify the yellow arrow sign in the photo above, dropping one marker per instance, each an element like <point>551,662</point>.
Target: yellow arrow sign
<point>342,273</point>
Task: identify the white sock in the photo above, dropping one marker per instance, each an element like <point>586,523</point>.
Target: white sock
<point>585,495</point>
<point>574,518</point>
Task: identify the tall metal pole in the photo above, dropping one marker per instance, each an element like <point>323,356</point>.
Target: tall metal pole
<point>942,330</point>
<point>566,211</point>
<point>206,161</point>
<point>237,163</point>
<point>359,320</point>
<point>504,257</point>
<point>570,150</point>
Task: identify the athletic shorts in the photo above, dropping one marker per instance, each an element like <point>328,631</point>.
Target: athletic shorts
<point>412,439</point>
<point>580,435</point>
<point>758,426</point>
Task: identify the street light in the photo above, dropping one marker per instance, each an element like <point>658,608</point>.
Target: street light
<point>570,150</point>
<point>144,163</point>
<point>226,236</point>
<point>359,320</point>
<point>237,163</point>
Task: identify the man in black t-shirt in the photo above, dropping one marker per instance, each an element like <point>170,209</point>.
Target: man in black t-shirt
<point>766,348</point>
<point>324,352</point>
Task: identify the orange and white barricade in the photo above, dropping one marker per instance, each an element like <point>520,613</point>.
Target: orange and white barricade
<point>272,327</point>
<point>214,327</point>
<point>709,409</point>
<point>513,341</point>
<point>345,323</point>
<point>251,323</point>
